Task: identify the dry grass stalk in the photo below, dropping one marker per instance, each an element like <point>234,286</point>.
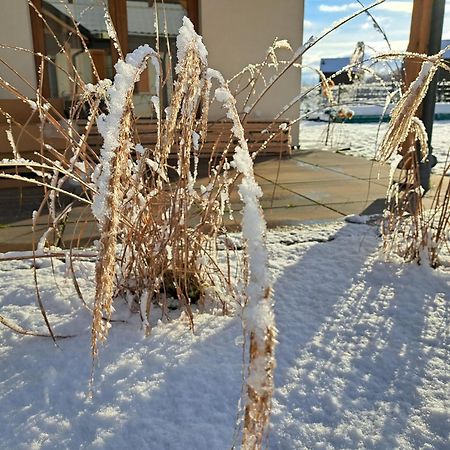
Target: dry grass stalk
<point>259,400</point>
<point>114,166</point>
<point>169,243</point>
<point>409,229</point>
<point>258,318</point>
<point>404,111</point>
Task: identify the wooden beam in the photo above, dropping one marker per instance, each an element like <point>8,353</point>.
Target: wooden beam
<point>425,37</point>
<point>419,37</point>
<point>193,12</point>
<point>99,59</point>
<point>37,31</point>
<point>118,12</point>
<point>418,43</point>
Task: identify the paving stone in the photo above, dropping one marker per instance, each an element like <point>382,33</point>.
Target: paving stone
<point>309,187</point>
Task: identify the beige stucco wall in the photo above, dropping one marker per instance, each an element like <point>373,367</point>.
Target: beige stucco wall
<point>239,32</point>
<point>15,30</point>
<point>236,33</point>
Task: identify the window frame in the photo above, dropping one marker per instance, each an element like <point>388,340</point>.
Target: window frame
<point>118,13</point>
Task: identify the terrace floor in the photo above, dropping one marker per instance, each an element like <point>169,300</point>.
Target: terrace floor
<point>310,186</point>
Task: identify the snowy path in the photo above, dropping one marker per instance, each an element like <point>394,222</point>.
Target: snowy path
<point>363,359</point>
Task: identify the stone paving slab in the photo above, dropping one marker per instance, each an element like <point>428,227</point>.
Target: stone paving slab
<point>346,165</point>
<point>293,171</point>
<point>297,215</point>
<point>338,191</point>
<point>311,186</point>
<point>361,208</point>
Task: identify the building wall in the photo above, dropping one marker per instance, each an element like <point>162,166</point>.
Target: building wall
<point>15,30</point>
<point>239,32</point>
<point>236,33</point>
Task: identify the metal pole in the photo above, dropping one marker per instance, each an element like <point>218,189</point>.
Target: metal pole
<point>429,102</point>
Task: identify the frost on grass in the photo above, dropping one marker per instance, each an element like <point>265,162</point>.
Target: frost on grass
<point>182,257</point>
<point>148,218</point>
<point>410,230</point>
<point>115,128</point>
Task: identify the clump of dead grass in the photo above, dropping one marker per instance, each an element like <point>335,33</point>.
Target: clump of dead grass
<point>411,229</point>
<point>159,226</point>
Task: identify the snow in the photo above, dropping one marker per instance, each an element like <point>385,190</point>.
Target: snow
<point>223,95</point>
<point>362,359</point>
<point>186,38</point>
<point>257,317</point>
<point>109,125</point>
<point>32,103</point>
<point>361,138</point>
<point>282,43</point>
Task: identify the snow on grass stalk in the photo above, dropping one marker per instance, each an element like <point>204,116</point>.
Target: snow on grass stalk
<point>409,230</point>
<point>187,39</point>
<point>403,113</point>
<point>115,128</point>
<point>258,318</point>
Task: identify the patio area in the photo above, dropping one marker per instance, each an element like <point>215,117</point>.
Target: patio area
<point>311,186</point>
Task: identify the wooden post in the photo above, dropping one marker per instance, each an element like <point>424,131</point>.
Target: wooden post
<point>418,37</point>
<point>37,31</point>
<point>118,12</point>
<point>425,37</point>
<point>193,13</point>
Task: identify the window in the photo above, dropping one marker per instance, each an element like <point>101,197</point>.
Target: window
<point>137,29</point>
<point>143,29</point>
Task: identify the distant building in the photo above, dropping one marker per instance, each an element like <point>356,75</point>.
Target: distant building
<point>331,66</point>
<point>443,74</point>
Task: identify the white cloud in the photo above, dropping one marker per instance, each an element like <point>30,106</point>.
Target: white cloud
<point>446,31</point>
<point>338,8</point>
<point>395,6</point>
<point>307,24</point>
<point>389,5</point>
<point>383,21</point>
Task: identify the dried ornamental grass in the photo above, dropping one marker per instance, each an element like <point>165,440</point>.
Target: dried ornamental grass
<point>159,229</point>
<point>258,318</point>
<point>116,129</point>
<point>409,229</point>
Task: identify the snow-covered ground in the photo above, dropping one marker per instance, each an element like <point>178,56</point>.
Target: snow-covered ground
<point>362,139</point>
<point>363,358</point>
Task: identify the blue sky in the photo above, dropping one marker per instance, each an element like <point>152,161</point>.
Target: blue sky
<point>394,16</point>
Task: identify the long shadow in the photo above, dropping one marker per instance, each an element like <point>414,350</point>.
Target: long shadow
<point>329,270</point>
<point>356,341</point>
<point>174,373</point>
<point>362,358</point>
